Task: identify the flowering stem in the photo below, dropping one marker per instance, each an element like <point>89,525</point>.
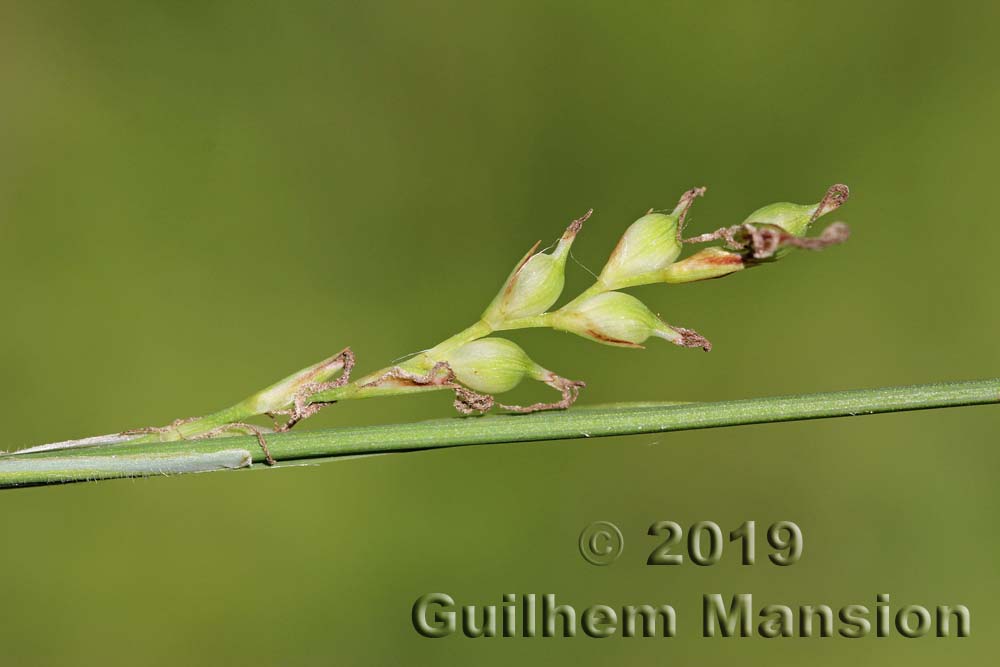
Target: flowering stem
<point>477,330</point>
<point>533,322</point>
<point>128,459</point>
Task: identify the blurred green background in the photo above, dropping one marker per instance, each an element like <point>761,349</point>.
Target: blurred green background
<point>197,198</point>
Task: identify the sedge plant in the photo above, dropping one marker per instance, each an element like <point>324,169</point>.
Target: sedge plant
<point>477,365</point>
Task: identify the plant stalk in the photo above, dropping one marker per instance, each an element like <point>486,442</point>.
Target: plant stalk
<point>131,459</point>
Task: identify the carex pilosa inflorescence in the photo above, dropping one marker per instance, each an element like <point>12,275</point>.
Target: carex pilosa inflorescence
<point>476,365</point>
